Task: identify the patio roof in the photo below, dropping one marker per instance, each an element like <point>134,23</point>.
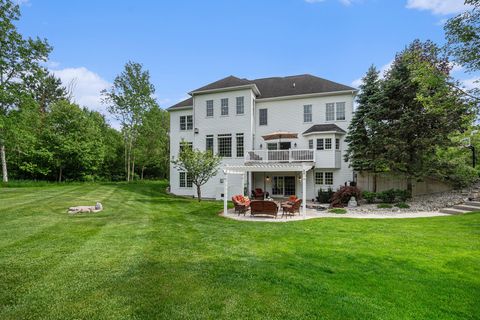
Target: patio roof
<point>268,167</point>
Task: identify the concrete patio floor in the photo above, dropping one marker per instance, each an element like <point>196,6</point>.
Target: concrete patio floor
<point>314,214</point>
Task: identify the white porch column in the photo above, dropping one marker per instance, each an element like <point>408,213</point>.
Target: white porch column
<point>243,184</point>
<point>304,192</point>
<point>250,183</point>
<point>225,193</point>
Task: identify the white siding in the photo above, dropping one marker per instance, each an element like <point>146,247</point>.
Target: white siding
<point>283,115</point>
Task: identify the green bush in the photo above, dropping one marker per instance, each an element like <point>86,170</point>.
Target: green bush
<point>387,196</point>
<point>338,210</point>
<point>325,196</point>
<point>369,196</point>
<point>402,195</point>
<point>384,206</point>
<point>402,205</point>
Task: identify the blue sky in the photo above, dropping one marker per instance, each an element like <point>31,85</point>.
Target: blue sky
<point>186,44</point>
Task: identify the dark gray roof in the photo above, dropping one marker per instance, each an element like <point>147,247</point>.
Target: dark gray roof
<point>275,86</point>
<point>227,82</point>
<point>185,103</point>
<point>329,127</point>
<point>295,85</point>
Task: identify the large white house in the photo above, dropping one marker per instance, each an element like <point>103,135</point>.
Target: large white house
<point>284,135</point>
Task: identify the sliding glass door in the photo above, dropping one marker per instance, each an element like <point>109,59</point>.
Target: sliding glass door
<point>283,185</point>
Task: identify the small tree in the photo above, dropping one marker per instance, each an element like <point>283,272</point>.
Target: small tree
<point>199,165</point>
<point>131,96</point>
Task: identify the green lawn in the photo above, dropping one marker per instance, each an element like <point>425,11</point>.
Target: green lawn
<point>150,255</point>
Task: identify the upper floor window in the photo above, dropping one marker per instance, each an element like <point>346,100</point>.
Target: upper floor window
<point>263,115</point>
<point>340,110</point>
<point>209,143</point>
<point>224,107</point>
<point>224,143</point>
<point>240,105</point>
<point>335,111</point>
<point>310,144</point>
<point>239,144</point>
<point>328,143</point>
<point>337,144</point>
<point>209,108</point>
<point>330,112</point>
<point>307,113</point>
<point>186,122</point>
<point>320,144</point>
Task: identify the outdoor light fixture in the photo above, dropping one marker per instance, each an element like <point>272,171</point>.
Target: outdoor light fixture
<point>260,146</point>
<point>295,144</point>
<point>268,178</point>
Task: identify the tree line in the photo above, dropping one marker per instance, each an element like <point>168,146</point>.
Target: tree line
<point>416,120</point>
<point>44,135</point>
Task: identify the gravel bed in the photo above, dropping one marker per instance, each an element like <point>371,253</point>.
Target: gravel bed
<point>423,203</point>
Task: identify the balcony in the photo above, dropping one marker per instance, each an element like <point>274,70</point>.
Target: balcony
<point>290,155</point>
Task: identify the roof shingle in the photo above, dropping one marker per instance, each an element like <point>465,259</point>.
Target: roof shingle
<point>275,86</point>
<point>329,127</point>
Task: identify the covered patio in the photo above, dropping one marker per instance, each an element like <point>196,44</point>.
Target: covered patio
<point>247,169</point>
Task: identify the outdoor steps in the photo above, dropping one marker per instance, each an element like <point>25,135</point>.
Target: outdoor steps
<point>468,206</point>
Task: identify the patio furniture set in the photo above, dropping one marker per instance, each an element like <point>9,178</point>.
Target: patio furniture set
<point>265,207</point>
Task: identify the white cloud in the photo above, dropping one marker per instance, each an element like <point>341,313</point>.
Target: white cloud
<point>442,7</point>
<point>471,83</point>
<point>23,2</point>
<point>86,86</point>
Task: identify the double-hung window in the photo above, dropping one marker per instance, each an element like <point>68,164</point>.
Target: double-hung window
<point>337,144</point>
<point>224,106</point>
<point>186,123</point>
<point>340,110</point>
<point>330,112</point>
<point>307,113</point>
<point>263,115</point>
<point>239,141</point>
<point>209,143</point>
<point>310,144</point>
<point>328,143</point>
<point>183,123</point>
<point>224,143</point>
<point>189,145</point>
<point>240,105</point>
<point>318,177</point>
<point>185,180</point>
<point>324,178</point>
<point>328,177</point>
<point>320,144</point>
<point>209,108</point>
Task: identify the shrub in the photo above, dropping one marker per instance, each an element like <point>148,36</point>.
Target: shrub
<point>387,196</point>
<point>325,196</point>
<point>402,195</point>
<point>402,205</point>
<point>384,206</point>
<point>369,196</point>
<point>343,195</point>
<point>338,210</point>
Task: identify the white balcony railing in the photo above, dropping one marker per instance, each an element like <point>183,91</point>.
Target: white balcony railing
<point>290,155</point>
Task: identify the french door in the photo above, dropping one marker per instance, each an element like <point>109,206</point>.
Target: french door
<point>283,186</point>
